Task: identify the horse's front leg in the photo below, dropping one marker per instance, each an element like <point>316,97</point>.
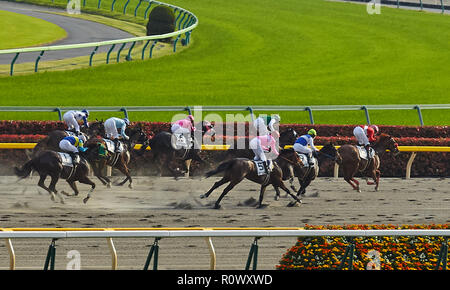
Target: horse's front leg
<point>261,196</point>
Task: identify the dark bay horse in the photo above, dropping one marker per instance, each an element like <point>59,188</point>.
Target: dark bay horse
<point>306,175</point>
<point>49,163</point>
<point>352,163</point>
<point>164,151</point>
<point>237,169</point>
<point>119,161</point>
<point>51,142</point>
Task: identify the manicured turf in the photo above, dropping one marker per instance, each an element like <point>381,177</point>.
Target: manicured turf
<point>18,30</point>
<point>291,52</point>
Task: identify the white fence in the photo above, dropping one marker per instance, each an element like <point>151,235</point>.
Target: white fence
<point>206,233</point>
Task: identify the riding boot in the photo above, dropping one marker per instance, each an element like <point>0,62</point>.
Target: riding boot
<point>75,158</point>
<point>116,145</point>
<point>310,159</point>
<point>367,147</point>
<point>266,167</point>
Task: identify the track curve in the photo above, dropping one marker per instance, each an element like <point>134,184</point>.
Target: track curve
<point>78,31</point>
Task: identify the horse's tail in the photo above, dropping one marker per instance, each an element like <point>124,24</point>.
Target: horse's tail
<point>222,167</point>
<point>25,171</point>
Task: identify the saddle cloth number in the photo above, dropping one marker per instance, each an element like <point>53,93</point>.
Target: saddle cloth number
<point>110,146</point>
<point>182,141</point>
<point>304,159</point>
<point>363,152</point>
<point>66,159</point>
<point>260,167</point>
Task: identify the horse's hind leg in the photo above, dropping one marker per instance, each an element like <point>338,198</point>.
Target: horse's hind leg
<point>283,187</point>
<point>52,187</point>
<point>216,185</point>
<point>277,190</point>
<point>86,180</point>
<point>261,195</point>
<point>225,191</point>
<point>42,184</point>
<point>73,185</point>
<point>125,171</point>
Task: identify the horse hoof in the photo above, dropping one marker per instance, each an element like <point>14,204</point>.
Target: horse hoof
<point>203,196</point>
<point>85,200</point>
<point>277,198</point>
<point>130,186</point>
<point>217,206</point>
<point>108,185</point>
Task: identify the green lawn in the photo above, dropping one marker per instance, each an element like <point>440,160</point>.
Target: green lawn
<point>290,52</point>
<point>20,30</point>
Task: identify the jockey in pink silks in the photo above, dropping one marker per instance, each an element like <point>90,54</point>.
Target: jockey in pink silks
<point>260,144</point>
<point>183,126</point>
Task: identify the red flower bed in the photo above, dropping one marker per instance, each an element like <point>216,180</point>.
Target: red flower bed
<point>383,253</point>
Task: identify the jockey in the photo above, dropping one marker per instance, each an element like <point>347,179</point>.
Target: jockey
<point>184,126</point>
<point>301,145</point>
<point>366,134</point>
<point>73,118</point>
<point>261,143</point>
<point>111,126</point>
<point>73,145</point>
<point>264,124</point>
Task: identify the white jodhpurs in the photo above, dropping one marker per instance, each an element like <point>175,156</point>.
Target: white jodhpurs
<point>255,145</point>
<point>111,129</point>
<point>71,122</point>
<point>361,136</point>
<point>66,146</point>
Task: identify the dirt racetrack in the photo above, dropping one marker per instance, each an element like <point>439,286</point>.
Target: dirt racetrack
<point>164,202</point>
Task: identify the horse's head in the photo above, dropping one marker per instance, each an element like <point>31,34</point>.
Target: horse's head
<point>96,129</point>
<point>288,136</point>
<point>291,156</point>
<point>96,149</point>
<point>387,142</point>
<point>330,151</point>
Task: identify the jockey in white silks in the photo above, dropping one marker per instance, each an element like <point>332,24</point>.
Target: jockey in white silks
<point>111,126</point>
<point>259,144</point>
<point>74,118</point>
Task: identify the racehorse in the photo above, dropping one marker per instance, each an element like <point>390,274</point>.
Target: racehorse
<point>235,170</point>
<point>352,163</point>
<point>287,137</point>
<point>120,160</point>
<point>165,151</point>
<point>51,142</point>
<point>306,174</point>
<point>49,163</point>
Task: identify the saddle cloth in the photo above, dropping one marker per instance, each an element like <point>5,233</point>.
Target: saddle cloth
<point>260,166</point>
<point>181,141</point>
<point>66,159</point>
<point>304,159</point>
<point>363,153</point>
<point>110,146</point>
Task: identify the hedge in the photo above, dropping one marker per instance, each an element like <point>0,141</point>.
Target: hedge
<point>384,253</point>
<point>429,164</point>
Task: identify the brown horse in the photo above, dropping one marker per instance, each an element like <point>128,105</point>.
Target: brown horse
<point>49,163</point>
<point>306,175</point>
<point>51,142</point>
<point>119,161</point>
<point>352,163</point>
<point>235,170</point>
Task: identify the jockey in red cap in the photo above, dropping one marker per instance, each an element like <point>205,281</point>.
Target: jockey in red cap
<point>365,134</point>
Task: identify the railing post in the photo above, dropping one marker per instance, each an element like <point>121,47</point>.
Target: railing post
<point>137,7</point>
<point>153,251</point>
<point>188,109</point>
<point>348,254</point>
<point>147,9</point>
<point>109,52</point>
<point>125,112</point>
<point>366,112</point>
<point>50,260</point>
<point>128,58</point>
<point>92,55</point>
<point>120,50</point>
<point>253,255</point>
<point>143,49</point>
<point>151,48</point>
<point>112,5</point>
<point>125,7</point>
<point>12,64</point>
<point>420,114</point>
<point>311,119</point>
<point>443,253</point>
<point>37,61</point>
<point>58,110</point>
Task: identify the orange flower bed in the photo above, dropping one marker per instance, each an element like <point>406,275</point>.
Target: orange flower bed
<point>381,253</point>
